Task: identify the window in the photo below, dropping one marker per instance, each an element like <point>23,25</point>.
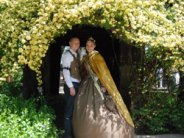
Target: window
<point>164,82</point>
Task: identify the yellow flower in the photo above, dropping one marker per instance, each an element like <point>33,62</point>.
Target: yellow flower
<point>138,22</point>
<point>28,37</point>
<point>20,50</point>
<point>23,41</point>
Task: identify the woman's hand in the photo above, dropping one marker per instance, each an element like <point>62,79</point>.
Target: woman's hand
<point>103,89</point>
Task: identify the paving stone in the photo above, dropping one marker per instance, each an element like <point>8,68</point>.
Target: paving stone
<point>161,136</point>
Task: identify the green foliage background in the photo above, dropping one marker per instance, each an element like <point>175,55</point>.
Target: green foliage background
<point>22,118</point>
<point>159,113</point>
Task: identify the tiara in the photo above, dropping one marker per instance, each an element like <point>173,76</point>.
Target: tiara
<point>92,39</point>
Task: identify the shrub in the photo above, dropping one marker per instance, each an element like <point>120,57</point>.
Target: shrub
<point>161,113</point>
<point>22,118</point>
<point>12,88</point>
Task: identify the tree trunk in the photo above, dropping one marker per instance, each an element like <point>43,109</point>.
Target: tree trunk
<point>29,83</point>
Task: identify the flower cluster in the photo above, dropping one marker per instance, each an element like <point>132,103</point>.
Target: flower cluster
<point>29,26</point>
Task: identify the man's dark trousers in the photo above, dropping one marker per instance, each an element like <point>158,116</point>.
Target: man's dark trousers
<point>69,106</point>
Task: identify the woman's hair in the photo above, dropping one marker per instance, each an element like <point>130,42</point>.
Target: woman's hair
<point>91,39</point>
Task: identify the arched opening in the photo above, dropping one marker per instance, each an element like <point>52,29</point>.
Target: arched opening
<point>118,55</point>
<point>106,45</point>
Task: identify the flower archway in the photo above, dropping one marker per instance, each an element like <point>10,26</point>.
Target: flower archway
<point>29,26</point>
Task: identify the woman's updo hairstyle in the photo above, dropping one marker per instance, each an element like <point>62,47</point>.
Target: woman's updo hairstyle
<point>91,39</point>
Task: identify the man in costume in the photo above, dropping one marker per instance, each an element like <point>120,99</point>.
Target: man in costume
<point>70,64</point>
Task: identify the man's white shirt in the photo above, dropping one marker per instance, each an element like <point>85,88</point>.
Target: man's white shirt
<point>66,60</point>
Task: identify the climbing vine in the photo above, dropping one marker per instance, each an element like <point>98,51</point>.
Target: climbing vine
<point>29,26</point>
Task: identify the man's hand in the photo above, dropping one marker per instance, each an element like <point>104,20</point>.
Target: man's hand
<point>72,91</point>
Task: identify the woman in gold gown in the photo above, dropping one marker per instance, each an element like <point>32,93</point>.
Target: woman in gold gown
<point>91,117</point>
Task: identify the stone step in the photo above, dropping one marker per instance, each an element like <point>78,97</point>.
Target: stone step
<point>161,136</point>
